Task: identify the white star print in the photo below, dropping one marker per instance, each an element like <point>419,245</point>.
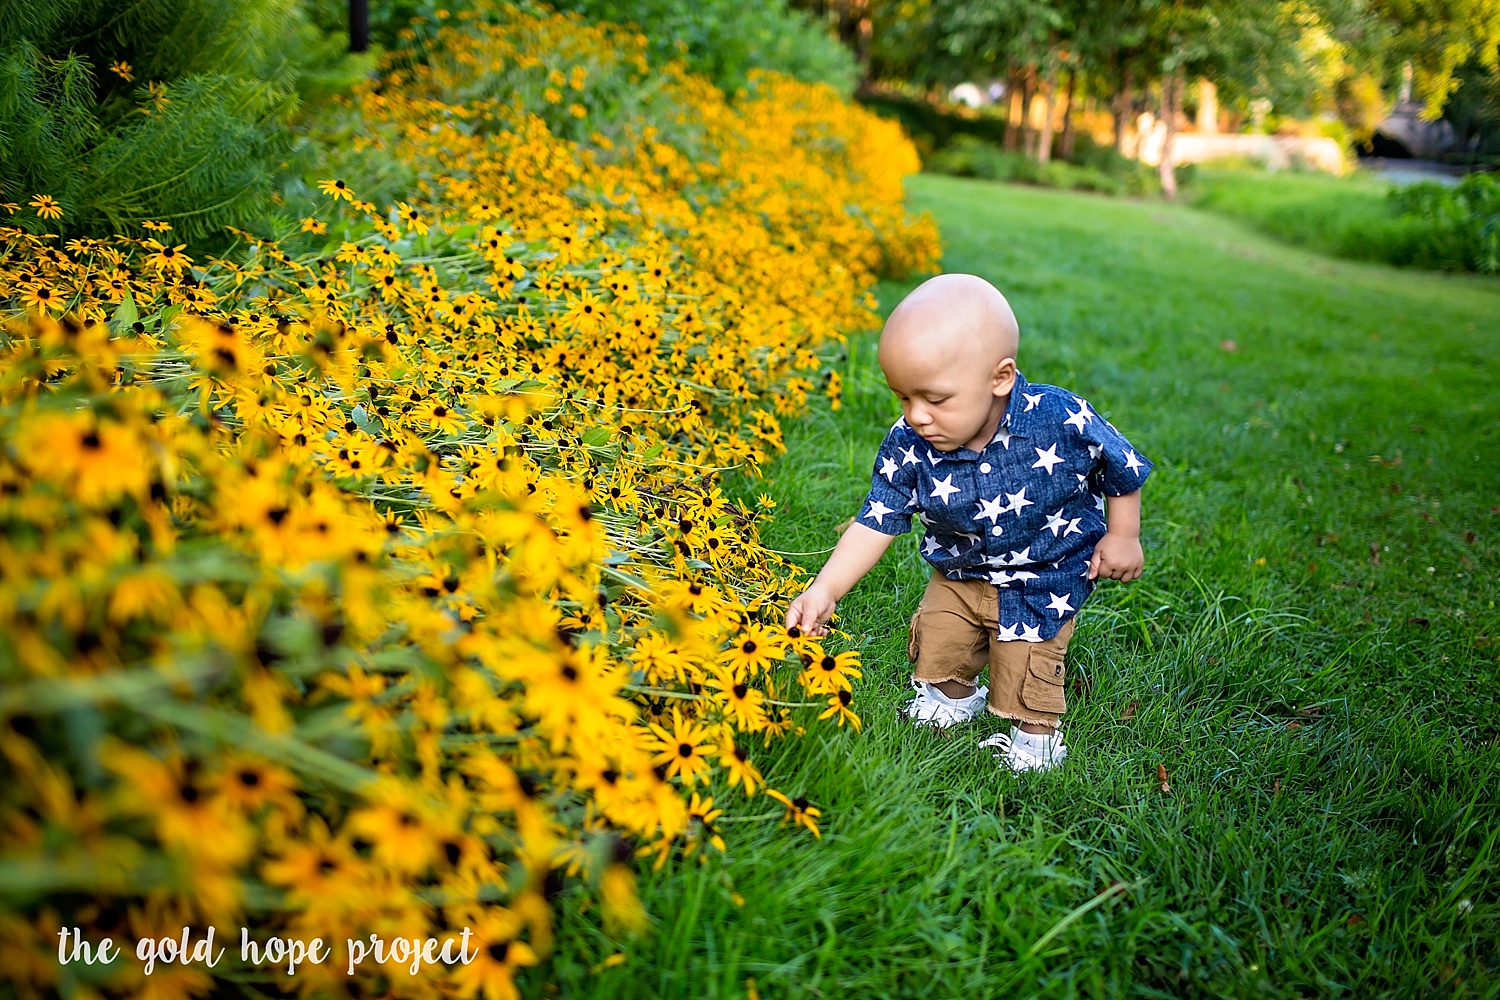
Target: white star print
<point>909,456</point>
<point>1017,500</point>
<point>1095,450</point>
<point>941,488</point>
<point>1031,400</point>
<point>1099,502</point>
<point>1008,633</point>
<point>989,509</point>
<point>1073,526</point>
<point>1003,435</point>
<point>888,468</point>
<point>1020,556</point>
<point>933,457</point>
<point>1059,603</point>
<point>878,511</point>
<point>1082,417</point>
<point>1131,462</point>
<point>929,545</point>
<point>1046,459</point>
<point>1030,633</point>
<point>953,552</point>
<point>969,536</point>
<point>1055,522</point>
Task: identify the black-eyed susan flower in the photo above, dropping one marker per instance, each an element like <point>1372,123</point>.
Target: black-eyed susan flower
<point>799,811</point>
<point>46,206</point>
<point>685,750</point>
<point>337,189</point>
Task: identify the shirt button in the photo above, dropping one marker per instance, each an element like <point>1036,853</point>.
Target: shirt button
<point>985,467</point>
<point>996,530</point>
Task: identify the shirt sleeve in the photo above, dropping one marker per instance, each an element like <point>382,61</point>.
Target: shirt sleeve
<point>889,505</point>
<point>1119,468</point>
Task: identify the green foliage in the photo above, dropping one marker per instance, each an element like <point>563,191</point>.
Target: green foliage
<point>930,126</point>
<point>725,39</point>
<point>1466,216</point>
<point>1361,218</point>
<point>969,156</point>
<point>167,110</point>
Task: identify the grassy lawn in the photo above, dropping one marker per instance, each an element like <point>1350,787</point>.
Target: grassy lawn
<point>1313,655</point>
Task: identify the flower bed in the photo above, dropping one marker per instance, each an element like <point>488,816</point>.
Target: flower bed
<point>372,578</point>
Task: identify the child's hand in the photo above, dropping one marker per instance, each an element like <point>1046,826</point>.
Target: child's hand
<point>811,610</point>
<point>1117,557</point>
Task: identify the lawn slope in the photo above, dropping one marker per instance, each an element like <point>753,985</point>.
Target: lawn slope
<point>1311,655</point>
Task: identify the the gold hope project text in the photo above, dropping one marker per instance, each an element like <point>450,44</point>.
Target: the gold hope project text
<point>284,953</point>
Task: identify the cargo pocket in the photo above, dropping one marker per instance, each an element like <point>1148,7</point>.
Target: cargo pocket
<point>912,643</point>
<point>1042,690</point>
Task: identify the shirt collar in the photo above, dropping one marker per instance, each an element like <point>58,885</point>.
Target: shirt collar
<point>1016,418</point>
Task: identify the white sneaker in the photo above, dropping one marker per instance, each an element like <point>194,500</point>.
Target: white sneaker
<point>933,708</point>
<point>1022,751</point>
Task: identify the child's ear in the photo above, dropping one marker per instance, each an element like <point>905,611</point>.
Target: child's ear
<point>1004,378</point>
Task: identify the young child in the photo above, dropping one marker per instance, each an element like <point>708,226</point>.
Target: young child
<point>1027,496</point>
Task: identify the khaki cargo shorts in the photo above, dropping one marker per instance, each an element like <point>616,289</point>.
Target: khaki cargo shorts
<point>953,639</point>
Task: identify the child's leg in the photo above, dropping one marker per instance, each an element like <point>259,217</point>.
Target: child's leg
<point>948,644</point>
<point>1026,681</point>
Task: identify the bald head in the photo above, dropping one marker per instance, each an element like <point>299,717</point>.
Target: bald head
<point>948,352</point>
<point>952,319</point>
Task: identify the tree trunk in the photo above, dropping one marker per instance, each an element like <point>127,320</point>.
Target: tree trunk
<point>1171,99</point>
<point>1049,110</point>
<point>1012,110</point>
<point>1068,134</point>
<point>1028,94</point>
<point>1123,102</point>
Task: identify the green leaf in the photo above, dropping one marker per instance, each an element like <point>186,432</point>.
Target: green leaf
<point>125,313</point>
<point>596,437</point>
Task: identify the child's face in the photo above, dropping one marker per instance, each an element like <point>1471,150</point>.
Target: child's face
<point>949,404</point>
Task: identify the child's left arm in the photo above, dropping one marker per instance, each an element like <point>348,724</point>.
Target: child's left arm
<point>1118,556</point>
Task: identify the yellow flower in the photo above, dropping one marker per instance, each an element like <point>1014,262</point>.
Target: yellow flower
<point>336,188</point>
<point>314,226</point>
<point>42,298</point>
<point>799,810</point>
<point>684,750</point>
<point>497,955</point>
<point>123,70</point>
<point>165,258</point>
<point>839,709</point>
<point>411,217</point>
<point>46,206</point>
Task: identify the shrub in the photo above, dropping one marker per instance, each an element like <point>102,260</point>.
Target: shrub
<point>1361,218</point>
<point>1465,219</point>
<point>172,112</point>
<point>970,156</point>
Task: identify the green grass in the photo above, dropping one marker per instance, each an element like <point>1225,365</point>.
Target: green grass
<point>1343,216</point>
<point>1311,651</point>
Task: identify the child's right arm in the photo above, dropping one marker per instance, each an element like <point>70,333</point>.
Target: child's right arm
<point>856,553</point>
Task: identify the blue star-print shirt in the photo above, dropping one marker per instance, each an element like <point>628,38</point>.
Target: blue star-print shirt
<point>1024,514</point>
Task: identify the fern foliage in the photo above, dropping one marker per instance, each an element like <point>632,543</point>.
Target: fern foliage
<point>171,111</point>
